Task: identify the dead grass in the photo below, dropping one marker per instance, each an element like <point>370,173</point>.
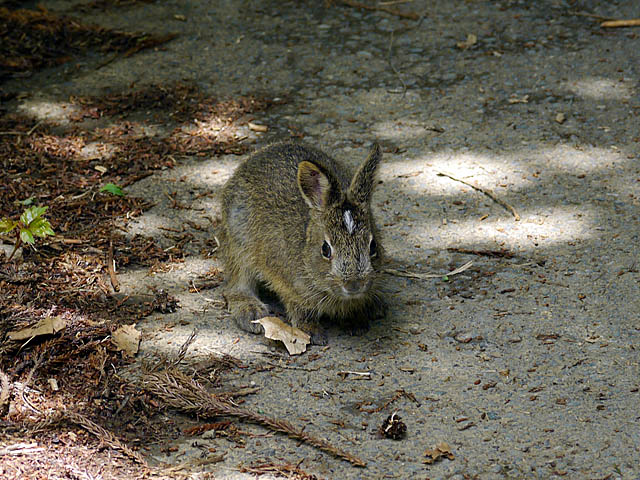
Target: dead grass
<point>34,39</point>
<point>93,423</point>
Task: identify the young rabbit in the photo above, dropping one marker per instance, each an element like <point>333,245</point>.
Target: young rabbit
<point>294,221</point>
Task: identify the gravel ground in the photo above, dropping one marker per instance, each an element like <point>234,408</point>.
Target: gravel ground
<point>526,364</point>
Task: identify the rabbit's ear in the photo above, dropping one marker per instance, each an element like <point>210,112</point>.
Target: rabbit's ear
<point>314,185</point>
<point>362,183</point>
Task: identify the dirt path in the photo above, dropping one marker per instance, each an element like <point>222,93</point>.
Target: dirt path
<point>526,364</point>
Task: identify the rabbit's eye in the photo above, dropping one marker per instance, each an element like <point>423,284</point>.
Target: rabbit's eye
<point>373,248</point>
<point>326,250</point>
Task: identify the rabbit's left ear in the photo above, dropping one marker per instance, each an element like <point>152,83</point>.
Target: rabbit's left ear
<point>314,185</point>
<point>364,179</point>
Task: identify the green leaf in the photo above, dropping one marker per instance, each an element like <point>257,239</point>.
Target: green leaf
<point>31,213</point>
<point>113,189</point>
<point>48,230</point>
<point>6,225</point>
<point>445,278</point>
<point>26,202</point>
<point>26,236</point>
<point>41,227</point>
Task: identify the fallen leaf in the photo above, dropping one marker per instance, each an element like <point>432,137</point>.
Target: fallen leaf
<point>469,42</point>
<point>516,99</point>
<point>256,127</point>
<point>560,117</point>
<point>294,339</point>
<point>127,339</point>
<point>53,383</point>
<point>46,326</point>
<point>441,450</point>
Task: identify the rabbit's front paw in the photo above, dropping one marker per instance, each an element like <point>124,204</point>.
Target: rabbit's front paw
<point>244,312</point>
<point>316,332</point>
<point>379,308</point>
<point>319,337</point>
<point>359,328</point>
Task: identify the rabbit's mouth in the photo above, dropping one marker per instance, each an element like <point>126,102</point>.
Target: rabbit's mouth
<point>354,289</point>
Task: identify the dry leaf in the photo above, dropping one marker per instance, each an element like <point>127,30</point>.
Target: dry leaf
<point>127,339</point>
<point>256,127</point>
<point>293,338</point>
<point>560,117</point>
<point>46,326</point>
<point>441,450</point>
<point>515,99</point>
<point>469,42</point>
<point>53,383</point>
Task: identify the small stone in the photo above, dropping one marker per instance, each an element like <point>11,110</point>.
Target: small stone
<point>463,337</point>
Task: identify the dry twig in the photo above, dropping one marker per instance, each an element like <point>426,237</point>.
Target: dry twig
<point>487,192</point>
<point>90,426</point>
<point>589,15</point>
<point>174,361</point>
<point>292,472</point>
<point>381,8</point>
<point>345,373</point>
<point>635,22</point>
<point>178,391</point>
<point>112,269</point>
<point>425,276</point>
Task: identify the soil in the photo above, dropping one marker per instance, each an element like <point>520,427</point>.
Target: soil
<point>525,365</point>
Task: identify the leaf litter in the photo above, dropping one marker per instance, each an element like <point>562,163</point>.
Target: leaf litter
<point>68,280</point>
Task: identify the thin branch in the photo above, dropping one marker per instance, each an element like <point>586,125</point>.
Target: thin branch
<point>179,391</point>
<point>90,426</point>
<point>14,132</point>
<point>426,276</point>
<point>487,192</point>
<point>26,401</point>
<point>111,268</point>
<point>389,57</point>
<point>635,22</point>
<point>381,8</point>
<point>589,15</point>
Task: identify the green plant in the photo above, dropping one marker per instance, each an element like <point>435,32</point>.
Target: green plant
<point>30,225</point>
<point>113,189</point>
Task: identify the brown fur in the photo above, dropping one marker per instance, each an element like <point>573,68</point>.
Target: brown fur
<point>277,210</point>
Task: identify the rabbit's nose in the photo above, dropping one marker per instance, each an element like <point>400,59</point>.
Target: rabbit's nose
<point>353,287</point>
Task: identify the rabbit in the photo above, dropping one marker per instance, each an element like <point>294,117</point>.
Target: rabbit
<point>296,223</point>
